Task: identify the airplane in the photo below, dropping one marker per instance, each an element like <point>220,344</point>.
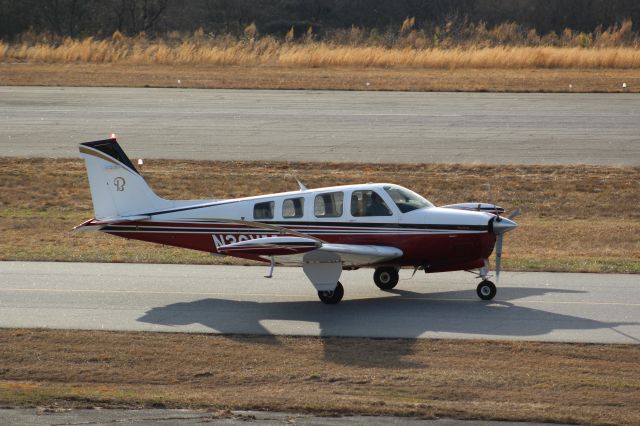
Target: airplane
<point>324,230</point>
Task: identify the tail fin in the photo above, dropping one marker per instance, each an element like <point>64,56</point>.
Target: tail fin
<point>117,189</point>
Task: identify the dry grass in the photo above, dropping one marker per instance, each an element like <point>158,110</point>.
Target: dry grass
<point>546,382</point>
<point>343,78</point>
<point>471,57</point>
<point>565,207</point>
<point>323,55</point>
<point>268,51</point>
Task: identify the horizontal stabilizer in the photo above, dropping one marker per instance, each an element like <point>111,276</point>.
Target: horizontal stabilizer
<point>97,224</point>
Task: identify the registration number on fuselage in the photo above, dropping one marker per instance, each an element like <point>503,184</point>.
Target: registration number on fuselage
<point>224,239</point>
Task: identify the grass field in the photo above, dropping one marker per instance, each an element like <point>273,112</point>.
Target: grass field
<point>271,52</point>
<point>504,46</point>
<point>576,218</point>
<point>546,382</point>
<point>504,58</point>
<point>322,78</point>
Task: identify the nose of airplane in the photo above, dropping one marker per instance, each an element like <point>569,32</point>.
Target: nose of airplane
<point>500,225</point>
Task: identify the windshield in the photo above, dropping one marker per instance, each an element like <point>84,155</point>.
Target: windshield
<point>405,199</point>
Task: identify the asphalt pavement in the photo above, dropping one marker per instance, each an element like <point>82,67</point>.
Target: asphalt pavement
<point>43,416</point>
<point>384,127</point>
<point>598,308</point>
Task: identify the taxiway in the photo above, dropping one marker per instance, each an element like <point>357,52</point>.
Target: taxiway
<point>599,308</point>
<point>396,127</point>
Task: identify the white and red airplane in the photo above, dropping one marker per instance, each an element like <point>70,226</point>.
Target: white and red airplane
<point>324,230</point>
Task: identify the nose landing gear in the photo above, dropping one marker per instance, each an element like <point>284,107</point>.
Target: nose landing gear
<point>486,290</point>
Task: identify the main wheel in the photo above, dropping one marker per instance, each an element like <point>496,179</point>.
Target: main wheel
<point>386,277</point>
<point>486,290</point>
<point>332,297</point>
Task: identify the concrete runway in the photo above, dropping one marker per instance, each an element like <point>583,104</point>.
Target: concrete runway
<point>599,308</point>
<point>493,128</point>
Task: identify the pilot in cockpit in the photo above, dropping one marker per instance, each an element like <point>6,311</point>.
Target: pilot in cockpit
<point>377,207</point>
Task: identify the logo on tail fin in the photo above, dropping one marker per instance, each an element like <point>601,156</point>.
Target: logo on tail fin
<point>119,183</point>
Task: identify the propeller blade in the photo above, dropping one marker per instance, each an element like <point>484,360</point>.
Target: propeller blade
<point>515,213</point>
<point>498,256</point>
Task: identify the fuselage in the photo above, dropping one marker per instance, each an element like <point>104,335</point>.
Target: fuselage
<point>438,239</point>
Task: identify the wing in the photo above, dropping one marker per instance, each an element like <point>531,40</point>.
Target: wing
<point>271,246</point>
<point>295,251</point>
<point>290,248</point>
<point>361,255</point>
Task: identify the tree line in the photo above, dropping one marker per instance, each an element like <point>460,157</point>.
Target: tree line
<point>101,18</point>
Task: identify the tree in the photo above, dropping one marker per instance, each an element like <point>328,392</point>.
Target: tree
<point>135,16</point>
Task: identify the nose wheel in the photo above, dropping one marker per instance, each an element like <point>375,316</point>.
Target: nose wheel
<point>486,290</point>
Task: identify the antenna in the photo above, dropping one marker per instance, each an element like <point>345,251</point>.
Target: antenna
<point>300,184</point>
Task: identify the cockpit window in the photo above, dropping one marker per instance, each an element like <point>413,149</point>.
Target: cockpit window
<point>368,203</point>
<point>405,199</point>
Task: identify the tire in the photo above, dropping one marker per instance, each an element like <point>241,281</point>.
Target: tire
<point>486,290</point>
<point>333,296</point>
<point>386,277</point>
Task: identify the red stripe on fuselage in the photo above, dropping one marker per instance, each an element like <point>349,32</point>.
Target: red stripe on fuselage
<point>442,250</point>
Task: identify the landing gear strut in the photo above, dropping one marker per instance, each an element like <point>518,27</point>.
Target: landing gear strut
<point>486,290</point>
<point>331,297</point>
<point>386,277</point>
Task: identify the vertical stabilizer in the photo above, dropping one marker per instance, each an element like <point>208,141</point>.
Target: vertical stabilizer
<point>117,189</point>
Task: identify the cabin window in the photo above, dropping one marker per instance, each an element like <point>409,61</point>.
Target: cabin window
<point>328,205</point>
<point>293,207</point>
<point>368,203</point>
<point>263,210</point>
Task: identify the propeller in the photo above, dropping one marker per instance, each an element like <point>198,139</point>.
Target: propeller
<point>500,227</point>
<point>498,256</point>
<point>517,212</point>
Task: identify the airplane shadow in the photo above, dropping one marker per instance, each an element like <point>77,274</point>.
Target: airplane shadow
<point>405,314</point>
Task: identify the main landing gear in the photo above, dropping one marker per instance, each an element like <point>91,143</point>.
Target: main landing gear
<point>386,277</point>
<point>331,297</point>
